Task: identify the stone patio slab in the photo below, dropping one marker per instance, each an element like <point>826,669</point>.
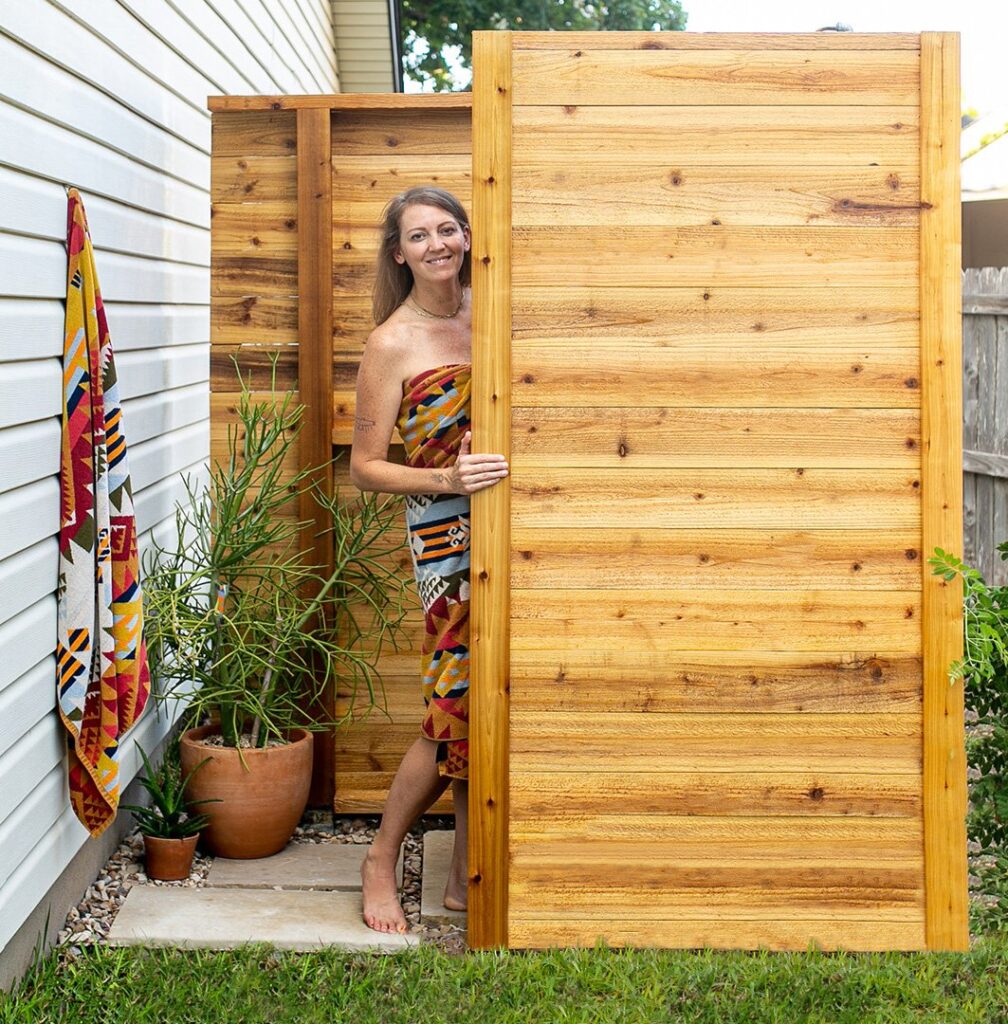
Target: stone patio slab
<point>437,852</point>
<point>218,918</point>
<point>298,866</point>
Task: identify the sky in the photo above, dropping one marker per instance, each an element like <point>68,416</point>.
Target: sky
<point>982,24</point>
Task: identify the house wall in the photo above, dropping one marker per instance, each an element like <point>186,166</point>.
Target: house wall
<point>113,102</point>
<point>362,44</point>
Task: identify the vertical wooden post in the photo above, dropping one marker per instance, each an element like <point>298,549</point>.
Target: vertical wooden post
<point>945,871</point>
<point>315,369</point>
<point>491,507</point>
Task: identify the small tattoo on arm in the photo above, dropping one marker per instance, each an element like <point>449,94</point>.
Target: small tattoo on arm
<point>363,425</point>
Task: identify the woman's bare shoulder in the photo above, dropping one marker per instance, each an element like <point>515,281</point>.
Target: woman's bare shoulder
<point>388,340</point>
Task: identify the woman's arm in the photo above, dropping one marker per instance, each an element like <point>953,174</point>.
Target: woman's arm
<point>379,396</point>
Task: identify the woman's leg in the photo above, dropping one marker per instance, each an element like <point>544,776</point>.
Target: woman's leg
<point>417,784</point>
<point>457,890</point>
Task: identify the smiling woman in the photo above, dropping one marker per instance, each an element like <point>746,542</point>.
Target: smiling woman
<point>415,375</point>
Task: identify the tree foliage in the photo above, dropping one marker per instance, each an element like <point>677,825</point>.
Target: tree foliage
<point>450,23</point>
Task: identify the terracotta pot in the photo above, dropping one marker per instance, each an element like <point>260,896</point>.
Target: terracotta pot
<point>262,800</point>
<point>169,860</point>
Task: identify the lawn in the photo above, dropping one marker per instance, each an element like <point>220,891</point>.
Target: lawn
<point>604,986</point>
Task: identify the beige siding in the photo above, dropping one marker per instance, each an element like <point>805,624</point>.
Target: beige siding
<point>363,45</point>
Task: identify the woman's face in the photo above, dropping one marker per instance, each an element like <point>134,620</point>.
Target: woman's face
<point>432,243</point>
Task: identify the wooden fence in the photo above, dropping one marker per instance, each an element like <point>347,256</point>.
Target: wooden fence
<point>985,419</point>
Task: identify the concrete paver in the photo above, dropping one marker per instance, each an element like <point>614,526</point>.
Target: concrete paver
<point>221,918</point>
<point>298,866</point>
<point>437,852</point>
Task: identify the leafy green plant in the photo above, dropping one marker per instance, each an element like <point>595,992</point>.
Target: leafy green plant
<point>240,624</point>
<point>432,29</point>
<point>984,670</point>
<point>167,817</point>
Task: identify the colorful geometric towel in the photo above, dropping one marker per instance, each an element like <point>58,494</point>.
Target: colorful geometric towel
<point>433,417</point>
<point>101,660</point>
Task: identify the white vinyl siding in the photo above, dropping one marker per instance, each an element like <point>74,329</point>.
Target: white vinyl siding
<point>110,97</point>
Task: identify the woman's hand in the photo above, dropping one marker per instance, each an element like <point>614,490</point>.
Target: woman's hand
<point>474,472</point>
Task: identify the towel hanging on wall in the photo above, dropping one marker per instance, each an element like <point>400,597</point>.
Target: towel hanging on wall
<point>101,660</point>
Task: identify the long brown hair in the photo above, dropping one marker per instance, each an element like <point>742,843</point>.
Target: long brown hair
<point>393,280</point>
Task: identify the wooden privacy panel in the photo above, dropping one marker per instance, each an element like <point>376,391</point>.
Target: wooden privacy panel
<point>716,333</point>
<point>298,186</point>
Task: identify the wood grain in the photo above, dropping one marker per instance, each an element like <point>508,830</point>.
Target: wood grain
<point>667,437</point>
<point>680,193</point>
<point>716,620</point>
<point>539,795</point>
<point>714,77</point>
<point>884,743</point>
<point>314,261</point>
<point>750,134</point>
<point>941,473</point>
<point>598,677</point>
<point>722,928</point>
<point>795,498</point>
<point>656,558</point>
<point>642,257</point>
<point>491,508</point>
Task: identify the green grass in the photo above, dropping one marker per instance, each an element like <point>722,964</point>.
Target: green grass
<point>603,986</point>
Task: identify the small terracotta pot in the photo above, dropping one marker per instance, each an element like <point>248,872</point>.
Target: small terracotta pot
<point>169,860</point>
<point>261,801</point>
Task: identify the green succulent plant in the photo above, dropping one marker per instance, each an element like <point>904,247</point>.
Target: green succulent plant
<point>168,817</point>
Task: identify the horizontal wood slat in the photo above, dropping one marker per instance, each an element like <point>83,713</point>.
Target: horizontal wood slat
<point>677,193</point>
<point>738,76</point>
<point>653,558</point>
<point>540,794</point>
<point>645,40</point>
<point>720,928</point>
<point>252,179</point>
<point>546,741</point>
<point>367,793</point>
<point>716,620</point>
<point>377,133</point>
<point>702,835</point>
<point>600,677</point>
<point>726,136</point>
<point>796,498</point>
<point>676,437</point>
<point>819,315</point>
<point>266,133</point>
<point>642,257</point>
<point>855,372</point>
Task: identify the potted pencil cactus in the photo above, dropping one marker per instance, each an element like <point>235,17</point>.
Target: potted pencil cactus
<point>248,633</point>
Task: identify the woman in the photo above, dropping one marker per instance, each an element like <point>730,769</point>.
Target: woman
<point>415,375</point>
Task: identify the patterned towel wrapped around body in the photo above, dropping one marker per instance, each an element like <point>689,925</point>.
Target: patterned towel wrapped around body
<point>433,419</point>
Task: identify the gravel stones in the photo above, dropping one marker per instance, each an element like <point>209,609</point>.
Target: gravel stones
<point>88,923</point>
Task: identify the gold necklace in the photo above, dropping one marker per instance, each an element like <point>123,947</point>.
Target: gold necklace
<point>438,316</point>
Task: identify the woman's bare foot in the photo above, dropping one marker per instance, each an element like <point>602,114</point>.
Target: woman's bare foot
<point>382,910</point>
<point>456,891</point>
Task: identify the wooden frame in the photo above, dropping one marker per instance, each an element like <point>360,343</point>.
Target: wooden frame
<point>491,508</point>
<point>941,471</point>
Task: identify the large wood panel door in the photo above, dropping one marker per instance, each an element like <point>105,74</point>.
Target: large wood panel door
<point>717,335</point>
